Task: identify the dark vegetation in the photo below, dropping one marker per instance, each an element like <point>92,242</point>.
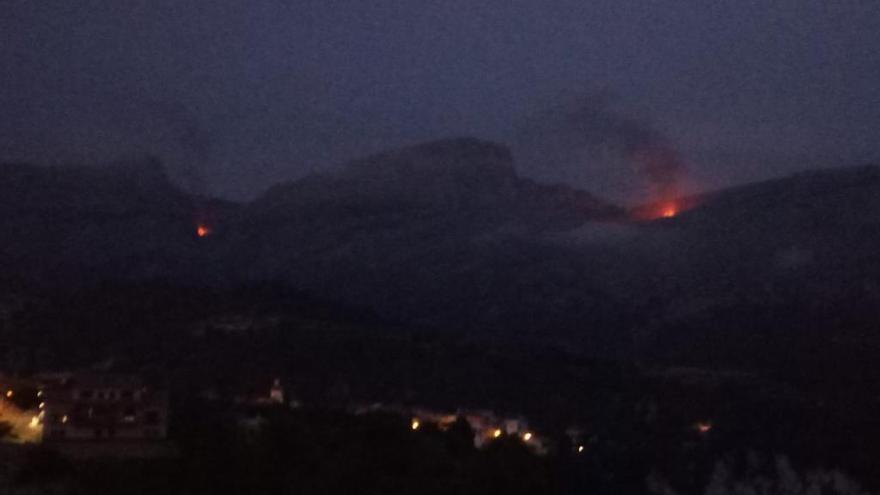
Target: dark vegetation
<point>306,452</point>
<point>5,430</point>
<point>325,354</point>
<point>637,420</point>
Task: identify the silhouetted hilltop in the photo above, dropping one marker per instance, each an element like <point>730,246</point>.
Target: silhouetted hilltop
<point>443,233</point>
<point>446,234</point>
<point>71,225</point>
<point>457,178</point>
<point>782,267</point>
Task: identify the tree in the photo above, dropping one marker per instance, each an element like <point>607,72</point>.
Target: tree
<point>757,477</point>
<point>460,437</point>
<point>5,430</point>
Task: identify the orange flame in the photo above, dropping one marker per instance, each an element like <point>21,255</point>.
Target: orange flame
<point>203,231</point>
<point>663,210</point>
<point>669,211</point>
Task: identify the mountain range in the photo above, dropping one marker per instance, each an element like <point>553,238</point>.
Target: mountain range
<point>446,234</point>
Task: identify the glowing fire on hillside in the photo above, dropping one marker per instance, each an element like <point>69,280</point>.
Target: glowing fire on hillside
<point>669,210</point>
<point>663,210</point>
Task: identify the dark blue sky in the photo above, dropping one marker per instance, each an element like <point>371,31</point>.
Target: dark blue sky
<point>250,93</point>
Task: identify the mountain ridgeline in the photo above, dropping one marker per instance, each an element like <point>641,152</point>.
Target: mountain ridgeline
<point>447,235</point>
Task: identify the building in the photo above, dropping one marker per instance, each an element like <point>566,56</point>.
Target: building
<point>257,396</point>
<point>486,425</point>
<point>276,393</point>
<point>103,407</point>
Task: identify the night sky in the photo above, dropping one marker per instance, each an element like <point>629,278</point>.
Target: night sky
<point>247,93</point>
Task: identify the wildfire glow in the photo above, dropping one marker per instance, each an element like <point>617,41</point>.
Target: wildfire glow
<point>669,211</point>
<point>203,231</point>
<point>663,209</point>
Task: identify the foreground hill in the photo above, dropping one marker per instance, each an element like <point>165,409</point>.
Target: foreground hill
<point>443,234</point>
<point>76,225</point>
<point>787,267</point>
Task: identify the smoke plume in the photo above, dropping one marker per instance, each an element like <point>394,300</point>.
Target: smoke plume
<point>585,141</point>
<point>179,131</point>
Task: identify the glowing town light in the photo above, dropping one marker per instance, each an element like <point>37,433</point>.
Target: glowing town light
<point>39,393</point>
<point>203,231</point>
<point>580,449</point>
<point>527,436</point>
<point>64,419</point>
<point>35,422</point>
<point>9,394</point>
<point>415,424</point>
<point>704,428</point>
<point>496,433</point>
<point>42,405</point>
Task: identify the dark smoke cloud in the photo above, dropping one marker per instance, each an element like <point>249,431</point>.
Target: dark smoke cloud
<point>585,140</point>
<point>661,165</point>
<point>182,130</point>
<point>91,127</point>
